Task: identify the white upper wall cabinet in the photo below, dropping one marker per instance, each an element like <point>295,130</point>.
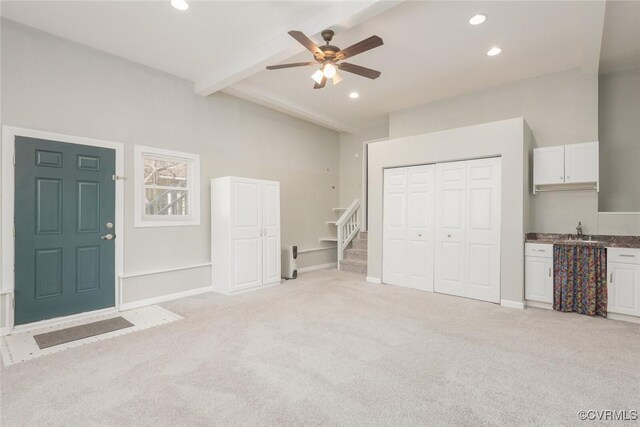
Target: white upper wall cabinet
<point>570,166</point>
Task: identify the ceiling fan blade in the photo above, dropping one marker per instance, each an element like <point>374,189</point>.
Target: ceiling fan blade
<point>306,42</point>
<point>361,71</point>
<point>363,46</point>
<point>321,84</point>
<point>295,64</point>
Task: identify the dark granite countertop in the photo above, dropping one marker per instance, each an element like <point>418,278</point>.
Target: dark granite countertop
<point>588,239</point>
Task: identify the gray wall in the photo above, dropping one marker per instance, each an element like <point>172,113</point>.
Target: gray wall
<point>58,86</point>
<point>560,108</point>
<point>509,139</point>
<point>619,120</point>
<point>350,165</point>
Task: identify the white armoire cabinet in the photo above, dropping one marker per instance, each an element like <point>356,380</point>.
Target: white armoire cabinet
<point>245,233</point>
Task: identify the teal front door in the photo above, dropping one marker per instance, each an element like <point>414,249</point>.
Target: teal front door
<point>64,229</point>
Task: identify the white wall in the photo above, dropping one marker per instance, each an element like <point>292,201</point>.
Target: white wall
<point>560,108</point>
<point>507,138</point>
<point>619,120</point>
<point>59,86</point>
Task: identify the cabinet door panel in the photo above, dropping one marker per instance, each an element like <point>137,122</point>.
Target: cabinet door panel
<point>271,236</point>
<point>581,162</point>
<point>548,165</point>
<point>624,288</point>
<point>246,233</point>
<point>538,279</point>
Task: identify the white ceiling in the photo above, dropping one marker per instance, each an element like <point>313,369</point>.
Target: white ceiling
<point>621,38</point>
<point>430,50</point>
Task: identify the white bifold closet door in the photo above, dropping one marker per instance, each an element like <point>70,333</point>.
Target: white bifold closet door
<point>408,226</point>
<point>467,229</point>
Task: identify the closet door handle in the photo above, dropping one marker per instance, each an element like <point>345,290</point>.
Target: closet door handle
<point>611,277</point>
<point>549,271</point>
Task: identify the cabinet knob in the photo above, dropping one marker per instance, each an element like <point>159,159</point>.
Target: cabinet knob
<point>419,235</point>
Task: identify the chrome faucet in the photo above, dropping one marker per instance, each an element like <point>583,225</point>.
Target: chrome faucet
<point>579,230</point>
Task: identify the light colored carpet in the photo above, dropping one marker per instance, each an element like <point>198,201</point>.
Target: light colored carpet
<point>329,348</point>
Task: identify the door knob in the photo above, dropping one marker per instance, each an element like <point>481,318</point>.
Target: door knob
<point>449,235</point>
<point>108,237</point>
<point>419,235</point>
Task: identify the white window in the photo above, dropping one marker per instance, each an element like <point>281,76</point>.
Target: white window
<point>167,189</point>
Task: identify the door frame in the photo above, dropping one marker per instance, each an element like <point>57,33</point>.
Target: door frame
<point>7,287</point>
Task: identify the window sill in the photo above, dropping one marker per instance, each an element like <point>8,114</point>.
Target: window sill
<point>145,224</point>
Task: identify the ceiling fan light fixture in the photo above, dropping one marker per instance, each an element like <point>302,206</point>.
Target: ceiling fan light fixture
<point>329,70</point>
<point>477,19</point>
<point>317,76</point>
<point>337,79</point>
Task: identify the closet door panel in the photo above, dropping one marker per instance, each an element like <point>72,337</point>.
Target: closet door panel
<point>246,231</point>
<point>394,227</point>
<point>271,232</point>
<point>420,226</point>
<point>450,234</point>
<point>483,229</point>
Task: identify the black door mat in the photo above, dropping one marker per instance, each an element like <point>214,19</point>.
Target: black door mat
<point>75,333</point>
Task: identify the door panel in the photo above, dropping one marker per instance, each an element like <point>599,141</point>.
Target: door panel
<point>394,227</point>
<point>420,226</point>
<point>271,241</point>
<point>450,234</point>
<point>483,229</point>
<point>246,233</point>
<point>62,265</point>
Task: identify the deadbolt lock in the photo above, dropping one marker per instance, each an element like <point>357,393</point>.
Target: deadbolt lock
<point>109,225</point>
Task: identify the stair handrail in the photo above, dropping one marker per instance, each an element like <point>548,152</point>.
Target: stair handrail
<point>347,226</point>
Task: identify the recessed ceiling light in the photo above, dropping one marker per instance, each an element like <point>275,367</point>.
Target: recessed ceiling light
<point>180,4</point>
<point>477,19</point>
<point>494,51</point>
<point>354,95</point>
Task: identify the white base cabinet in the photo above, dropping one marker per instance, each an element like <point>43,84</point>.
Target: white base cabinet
<point>245,233</point>
<point>623,274</point>
<point>538,272</point>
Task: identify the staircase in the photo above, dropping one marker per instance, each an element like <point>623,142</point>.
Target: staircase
<point>355,257</point>
<point>351,244</point>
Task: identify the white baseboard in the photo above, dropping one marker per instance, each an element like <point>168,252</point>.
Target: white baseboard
<point>537,304</point>
<point>164,298</point>
<point>374,280</point>
<point>512,304</point>
<point>318,267</point>
<point>623,317</point>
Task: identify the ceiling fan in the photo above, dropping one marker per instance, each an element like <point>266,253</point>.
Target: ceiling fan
<point>328,57</point>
